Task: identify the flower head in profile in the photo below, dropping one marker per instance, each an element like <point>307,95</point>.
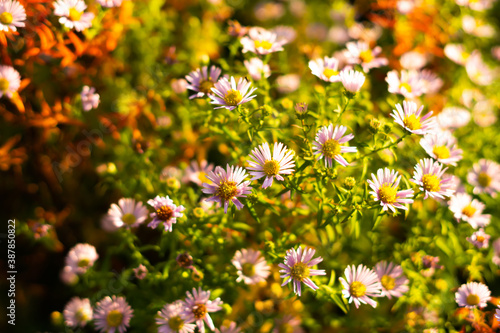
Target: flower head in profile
<point>428,175</point>
<point>127,214</point>
<point>197,173</point>
<point>72,14</point>
<point>385,189</point>
<point>261,41</point>
<point>229,94</point>
<point>166,212</point>
<point>10,80</point>
<point>257,69</point>
<point>413,60</point>
<point>360,284</point>
<point>472,295</point>
<point>90,100</point>
<point>453,117</point>
<point>442,146</point>
<point>297,268</point>
<point>287,84</point>
<point>361,53</point>
<point>78,312</point>
<point>81,257</point>
<point>171,319</point>
<point>197,308</point>
<point>231,328</point>
<point>327,69</point>
<point>431,83</point>
<point>12,15</point>
<point>252,268</point>
<point>352,80</point>
<point>409,118</point>
<point>263,164</point>
<point>140,272</point>
<point>110,3</point>
<point>112,315</point>
<point>329,144</point>
<point>478,71</point>
<point>469,210</point>
<point>391,277</point>
<point>202,81</point>
<point>485,177</point>
<point>407,83</point>
<point>478,5</point>
<point>479,239</point>
<point>456,53</point>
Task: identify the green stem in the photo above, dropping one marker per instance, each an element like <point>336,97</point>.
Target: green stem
<point>385,147</point>
<point>343,110</point>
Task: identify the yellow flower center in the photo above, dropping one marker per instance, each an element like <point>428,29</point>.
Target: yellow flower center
<point>81,315</point>
<point>202,177</point>
<point>129,219</point>
<point>199,311</point>
<point>271,168</point>
<point>6,18</point>
<point>366,56</point>
<point>83,262</point>
<point>406,86</point>
<point>248,269</point>
<point>286,328</point>
<point>465,55</point>
<point>264,44</point>
<point>176,323</point>
<point>441,152</point>
<point>114,318</point>
<point>484,179</point>
<point>164,213</point>
<point>357,289</point>
<point>233,97</point>
<point>388,282</point>
<point>331,148</point>
<point>412,122</point>
<point>227,190</point>
<point>74,15</point>
<point>300,271</point>
<point>468,210</point>
<point>473,299</point>
<point>431,183</point>
<point>328,72</point>
<point>4,84</point>
<point>206,86</point>
<point>480,239</point>
<point>387,194</point>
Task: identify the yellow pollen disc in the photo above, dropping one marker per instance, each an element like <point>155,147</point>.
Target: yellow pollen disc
<point>114,318</point>
<point>328,72</point>
<point>412,122</point>
<point>227,190</point>
<point>202,177</point>
<point>357,289</point>
<point>264,44</point>
<point>199,311</point>
<point>465,55</point>
<point>480,239</point>
<point>83,262</point>
<point>366,56</point>
<point>129,219</point>
<point>176,323</point>
<point>431,183</point>
<point>484,179</point>
<point>468,210</point>
<point>300,271</point>
<point>387,194</point>
<point>164,213</point>
<point>4,84</point>
<point>331,148</point>
<point>81,315</point>
<point>233,97</point>
<point>248,269</point>
<point>74,15</point>
<point>6,18</point>
<point>388,282</point>
<point>271,168</point>
<point>206,86</point>
<point>441,152</point>
<point>473,299</point>
<point>406,86</point>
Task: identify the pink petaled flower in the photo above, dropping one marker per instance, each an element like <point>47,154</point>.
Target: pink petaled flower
<point>257,69</point>
<point>297,268</point>
<point>140,272</point>
<point>232,328</point>
<point>203,80</point>
<point>262,164</point>
<point>127,214</point>
<point>327,69</point>
<point>261,41</point>
<point>472,295</point>
<point>352,80</point>
<point>485,177</point>
<point>73,15</point>
<point>478,71</point>
<point>10,80</point>
<point>198,306</point>
<point>478,5</point>
<point>90,100</point>
<point>442,146</point>
<point>496,252</point>
<point>229,94</point>
<point>479,239</point>
<point>385,189</point>
<point>497,314</point>
<point>360,284</point>
<point>288,324</point>
<point>413,60</point>
<point>179,86</point>
<point>484,113</point>
<point>477,27</point>
<point>361,53</point>
<point>171,319</point>
<point>81,257</point>
<point>471,211</point>
<point>409,84</point>
<point>78,312</point>
<point>166,212</point>
<point>408,117</point>
<point>329,144</point>
<point>112,315</point>
<point>391,277</point>
<point>456,53</point>
<point>428,175</point>
<point>252,268</point>
<point>110,3</point>
<point>197,173</point>
<point>287,83</point>
<point>227,186</point>
<point>284,34</point>
<point>431,83</point>
<point>12,15</point>
<point>453,117</point>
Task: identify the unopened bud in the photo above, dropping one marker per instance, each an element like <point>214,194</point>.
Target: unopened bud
<point>301,108</point>
<point>375,125</point>
<point>349,183</point>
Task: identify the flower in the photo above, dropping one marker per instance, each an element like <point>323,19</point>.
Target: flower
<point>73,15</point>
<point>456,53</point>
<point>413,60</point>
<point>431,83</point>
<point>485,177</point>
<point>496,252</point>
<point>287,83</point>
<point>468,210</point>
<point>453,117</point>
<point>484,114</point>
<point>197,173</point>
<point>409,118</point>
<point>112,314</point>
<point>185,260</point>
<point>352,80</point>
<point>198,306</point>
<point>385,189</point>
<point>360,284</point>
<point>202,81</point>
<point>110,3</point>
<point>261,41</point>
<point>408,83</point>
<point>391,277</point>
<point>479,239</point>
<point>166,212</point>
<point>289,324</point>
<point>78,312</point>
<point>232,328</point>
<point>127,214</point>
<point>179,86</point>
<point>284,34</point>
<point>297,268</point>
<point>90,100</point>
<point>257,69</point>
<point>171,319</point>
<point>68,276</point>
<point>478,5</point>
<point>478,71</point>
<point>140,272</point>
<point>10,80</point>
<point>263,164</point>
<point>361,53</point>
<point>477,27</point>
<point>12,15</point>
<point>327,69</point>
<point>472,295</point>
<point>442,146</point>
<point>229,94</point>
<point>328,144</point>
<point>252,268</point>
<point>429,176</point>
<point>227,186</point>
<point>81,257</point>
